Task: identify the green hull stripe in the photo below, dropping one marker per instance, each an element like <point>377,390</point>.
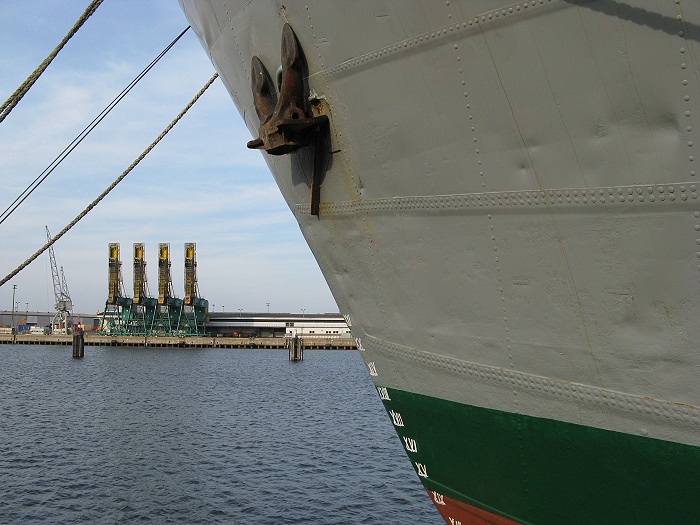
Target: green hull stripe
<point>544,471</point>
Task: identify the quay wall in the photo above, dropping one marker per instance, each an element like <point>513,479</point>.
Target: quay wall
<point>93,339</point>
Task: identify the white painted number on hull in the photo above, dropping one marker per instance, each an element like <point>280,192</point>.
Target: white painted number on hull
<point>422,470</point>
<point>396,417</point>
<point>372,369</point>
<point>383,393</point>
<point>455,522</point>
<point>411,445</point>
<point>439,499</point>
<point>358,342</point>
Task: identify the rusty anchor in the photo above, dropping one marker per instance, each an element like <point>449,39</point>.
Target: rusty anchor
<point>285,124</point>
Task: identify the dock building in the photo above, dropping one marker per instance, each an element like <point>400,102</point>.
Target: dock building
<point>220,324</point>
<point>242,324</point>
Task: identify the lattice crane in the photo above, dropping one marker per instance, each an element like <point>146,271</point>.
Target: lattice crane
<point>63,320</point>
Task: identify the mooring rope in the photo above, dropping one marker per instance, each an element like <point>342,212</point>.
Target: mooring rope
<point>14,99</point>
<point>111,186</point>
<point>83,134</point>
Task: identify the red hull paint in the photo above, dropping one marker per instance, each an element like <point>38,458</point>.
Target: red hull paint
<point>457,513</point>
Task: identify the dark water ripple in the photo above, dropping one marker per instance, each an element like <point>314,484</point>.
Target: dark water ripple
<point>198,437</point>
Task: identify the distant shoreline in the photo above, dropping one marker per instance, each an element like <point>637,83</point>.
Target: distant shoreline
<point>271,343</point>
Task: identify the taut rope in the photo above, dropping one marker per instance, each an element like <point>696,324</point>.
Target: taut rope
<point>111,186</point>
<point>14,99</point>
<point>82,135</point>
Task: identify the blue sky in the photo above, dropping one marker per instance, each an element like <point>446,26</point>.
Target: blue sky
<point>200,184</point>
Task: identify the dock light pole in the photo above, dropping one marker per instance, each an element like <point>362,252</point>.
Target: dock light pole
<point>268,307</point>
<point>222,308</point>
<point>14,334</point>
<point>302,311</point>
<point>240,312</point>
<point>27,305</point>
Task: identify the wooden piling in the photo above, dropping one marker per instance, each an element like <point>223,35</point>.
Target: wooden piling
<point>79,344</point>
<point>296,348</point>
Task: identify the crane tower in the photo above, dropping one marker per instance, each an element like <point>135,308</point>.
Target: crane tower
<point>169,307</point>
<point>165,282</point>
<point>63,320</point>
<point>115,318</point>
<point>140,280</point>
<point>115,284</point>
<point>195,312</point>
<point>143,308</point>
<point>191,290</point>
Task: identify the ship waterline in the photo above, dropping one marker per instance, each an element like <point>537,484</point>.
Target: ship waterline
<point>545,469</point>
<point>508,215</point>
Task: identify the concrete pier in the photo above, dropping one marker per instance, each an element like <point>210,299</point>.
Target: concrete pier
<point>93,339</point>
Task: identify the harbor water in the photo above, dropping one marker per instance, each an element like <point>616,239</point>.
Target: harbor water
<point>198,436</point>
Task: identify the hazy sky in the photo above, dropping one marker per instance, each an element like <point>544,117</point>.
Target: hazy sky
<point>200,184</point>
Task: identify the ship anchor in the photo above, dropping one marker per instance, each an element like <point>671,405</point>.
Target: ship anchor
<point>285,123</point>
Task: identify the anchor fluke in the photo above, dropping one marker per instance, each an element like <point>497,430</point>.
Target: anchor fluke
<point>263,91</point>
<point>285,125</point>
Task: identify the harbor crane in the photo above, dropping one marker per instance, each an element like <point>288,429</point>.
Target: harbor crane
<point>195,313</point>
<point>143,307</point>
<point>63,320</point>
<point>142,315</point>
<point>113,316</point>
<point>169,307</point>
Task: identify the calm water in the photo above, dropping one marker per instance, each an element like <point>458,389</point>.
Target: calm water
<point>131,435</point>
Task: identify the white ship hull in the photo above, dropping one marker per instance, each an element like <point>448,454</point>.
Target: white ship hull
<point>510,219</point>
